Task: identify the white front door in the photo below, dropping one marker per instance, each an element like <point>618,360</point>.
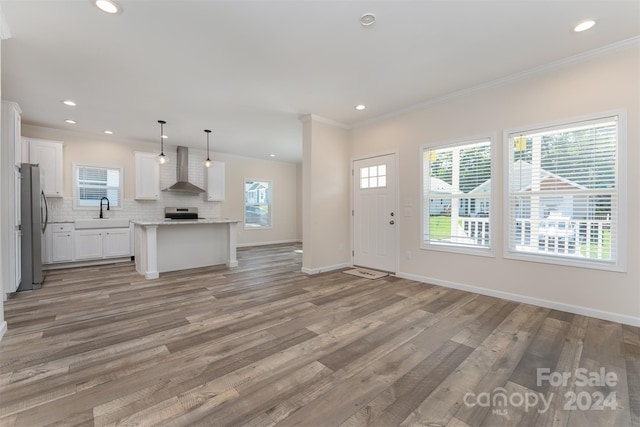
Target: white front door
<point>375,215</point>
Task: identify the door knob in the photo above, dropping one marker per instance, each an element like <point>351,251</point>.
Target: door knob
<point>392,222</point>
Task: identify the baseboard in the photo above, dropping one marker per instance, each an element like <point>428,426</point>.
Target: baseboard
<point>318,270</point>
<point>575,309</point>
<point>3,329</point>
<point>274,242</point>
<point>57,266</point>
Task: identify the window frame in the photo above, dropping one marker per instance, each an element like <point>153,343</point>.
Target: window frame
<point>270,204</point>
<point>620,220</point>
<point>76,187</point>
<point>489,251</point>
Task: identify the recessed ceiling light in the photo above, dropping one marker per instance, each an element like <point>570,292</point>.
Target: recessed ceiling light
<point>164,137</point>
<point>360,107</point>
<point>69,102</point>
<point>584,25</point>
<point>108,132</point>
<point>367,19</point>
<point>107,6</point>
<point>272,155</point>
<point>71,122</point>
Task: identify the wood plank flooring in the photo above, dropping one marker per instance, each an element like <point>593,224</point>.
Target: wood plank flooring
<point>264,345</point>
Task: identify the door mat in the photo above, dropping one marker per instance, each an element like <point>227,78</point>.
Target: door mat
<point>366,273</point>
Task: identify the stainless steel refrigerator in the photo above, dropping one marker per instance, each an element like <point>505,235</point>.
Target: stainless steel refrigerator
<point>34,216</point>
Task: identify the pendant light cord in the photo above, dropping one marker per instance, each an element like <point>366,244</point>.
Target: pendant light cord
<point>162,122</point>
<point>208,132</point>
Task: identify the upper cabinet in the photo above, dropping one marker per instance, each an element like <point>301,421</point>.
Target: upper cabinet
<point>47,154</point>
<point>11,125</point>
<point>215,182</point>
<point>147,176</point>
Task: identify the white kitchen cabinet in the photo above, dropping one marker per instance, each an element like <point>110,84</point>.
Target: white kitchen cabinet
<point>11,129</point>
<point>88,244</point>
<point>16,129</point>
<point>18,258</point>
<point>17,206</point>
<point>117,242</point>
<point>215,182</point>
<point>47,154</point>
<point>147,176</point>
<point>60,237</point>
<point>10,183</point>
<point>64,243</point>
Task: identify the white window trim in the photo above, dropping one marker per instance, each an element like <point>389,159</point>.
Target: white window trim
<point>244,205</point>
<point>74,180</point>
<point>452,248</point>
<point>621,176</point>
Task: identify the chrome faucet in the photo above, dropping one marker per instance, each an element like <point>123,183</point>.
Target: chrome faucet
<point>104,198</point>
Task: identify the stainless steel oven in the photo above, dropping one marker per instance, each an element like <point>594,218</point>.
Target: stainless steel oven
<point>180,214</point>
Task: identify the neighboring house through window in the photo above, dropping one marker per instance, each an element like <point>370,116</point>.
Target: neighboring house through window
<point>257,204</point>
<point>457,196</point>
<point>563,195</point>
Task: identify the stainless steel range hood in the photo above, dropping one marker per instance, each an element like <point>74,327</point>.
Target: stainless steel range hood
<point>183,185</point>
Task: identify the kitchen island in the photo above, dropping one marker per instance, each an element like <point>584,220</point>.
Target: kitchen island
<point>171,245</point>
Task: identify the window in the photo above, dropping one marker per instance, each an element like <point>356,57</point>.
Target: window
<point>564,192</point>
<point>257,204</point>
<point>95,182</point>
<point>457,196</point>
<point>373,176</point>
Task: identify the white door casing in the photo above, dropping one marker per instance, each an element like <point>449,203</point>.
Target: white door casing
<point>375,216</point>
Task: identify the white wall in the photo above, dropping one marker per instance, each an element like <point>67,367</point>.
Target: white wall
<point>595,85</point>
<point>78,149</point>
<point>284,180</point>
<point>325,198</point>
<point>4,230</point>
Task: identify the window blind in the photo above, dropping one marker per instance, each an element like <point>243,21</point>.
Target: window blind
<point>563,191</point>
<point>94,182</point>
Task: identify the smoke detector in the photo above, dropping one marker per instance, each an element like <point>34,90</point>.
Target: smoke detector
<point>367,19</point>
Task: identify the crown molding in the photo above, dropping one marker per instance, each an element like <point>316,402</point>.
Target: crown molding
<point>306,117</point>
<point>520,76</point>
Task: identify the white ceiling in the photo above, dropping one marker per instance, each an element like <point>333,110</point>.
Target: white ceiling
<point>248,69</point>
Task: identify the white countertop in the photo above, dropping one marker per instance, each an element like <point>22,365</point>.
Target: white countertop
<point>183,221</point>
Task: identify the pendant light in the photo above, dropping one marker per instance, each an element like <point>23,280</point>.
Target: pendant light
<point>207,162</point>
<point>162,159</point>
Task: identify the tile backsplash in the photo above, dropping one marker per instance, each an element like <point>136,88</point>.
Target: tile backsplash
<point>61,209</point>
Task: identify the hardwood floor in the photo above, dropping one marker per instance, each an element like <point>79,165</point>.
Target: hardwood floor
<point>264,344</point>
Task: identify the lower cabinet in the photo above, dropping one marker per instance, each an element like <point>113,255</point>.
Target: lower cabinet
<point>117,242</point>
<point>88,244</point>
<point>63,243</point>
<point>58,243</point>
<point>18,259</point>
<point>61,246</point>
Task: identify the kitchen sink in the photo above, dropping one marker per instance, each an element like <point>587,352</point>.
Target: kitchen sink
<point>101,223</point>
